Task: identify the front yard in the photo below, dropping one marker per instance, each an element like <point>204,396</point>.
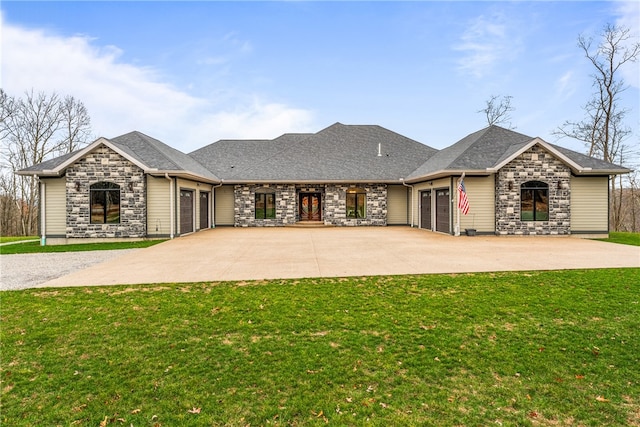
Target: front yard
<point>537,348</point>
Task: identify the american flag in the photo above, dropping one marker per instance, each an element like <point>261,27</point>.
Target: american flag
<point>463,202</point>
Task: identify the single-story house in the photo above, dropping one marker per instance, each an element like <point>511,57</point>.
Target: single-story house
<point>134,186</point>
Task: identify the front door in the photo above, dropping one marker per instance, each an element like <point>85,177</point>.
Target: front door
<point>425,210</point>
<point>442,211</point>
<point>310,208</point>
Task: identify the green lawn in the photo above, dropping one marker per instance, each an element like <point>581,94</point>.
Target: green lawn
<point>625,238</point>
<point>538,348</point>
<point>35,247</point>
<point>7,239</point>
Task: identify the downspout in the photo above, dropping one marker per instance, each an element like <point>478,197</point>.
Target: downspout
<point>43,212</point>
<point>213,203</point>
<point>171,203</point>
<point>411,188</point>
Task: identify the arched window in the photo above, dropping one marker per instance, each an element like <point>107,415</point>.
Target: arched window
<point>534,201</point>
<point>105,203</point>
<point>356,203</point>
<point>265,203</point>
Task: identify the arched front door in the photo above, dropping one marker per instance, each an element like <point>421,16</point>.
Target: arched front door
<point>310,207</point>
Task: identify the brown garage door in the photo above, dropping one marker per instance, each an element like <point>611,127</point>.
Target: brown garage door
<point>204,211</point>
<point>425,210</point>
<point>186,211</point>
<point>442,211</point>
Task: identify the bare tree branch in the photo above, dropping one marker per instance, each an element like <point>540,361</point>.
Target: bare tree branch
<point>498,111</point>
<point>34,129</point>
<point>603,129</point>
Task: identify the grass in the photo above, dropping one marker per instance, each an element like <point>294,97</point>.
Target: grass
<point>7,239</point>
<point>538,348</point>
<point>625,238</point>
<point>35,247</point>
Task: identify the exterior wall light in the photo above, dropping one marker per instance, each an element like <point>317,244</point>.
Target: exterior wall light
<point>77,185</point>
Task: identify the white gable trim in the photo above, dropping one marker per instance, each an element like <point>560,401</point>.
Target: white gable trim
<point>539,141</point>
<point>86,150</point>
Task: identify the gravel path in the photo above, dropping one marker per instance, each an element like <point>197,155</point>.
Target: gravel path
<point>22,271</point>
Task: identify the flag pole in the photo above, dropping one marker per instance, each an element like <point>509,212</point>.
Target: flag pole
<point>457,228</point>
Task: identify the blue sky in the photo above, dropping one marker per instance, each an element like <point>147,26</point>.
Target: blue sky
<point>190,73</point>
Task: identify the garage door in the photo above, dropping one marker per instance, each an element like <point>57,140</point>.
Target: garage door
<point>442,211</point>
<point>186,211</point>
<point>204,210</point>
<point>425,210</point>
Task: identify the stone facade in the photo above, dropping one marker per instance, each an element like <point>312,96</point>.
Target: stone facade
<point>535,164</point>
<point>333,200</point>
<point>245,205</point>
<point>335,206</point>
<point>104,164</point>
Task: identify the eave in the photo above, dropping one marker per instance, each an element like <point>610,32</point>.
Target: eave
<point>447,173</point>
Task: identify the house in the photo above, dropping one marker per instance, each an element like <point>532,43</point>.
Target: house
<point>134,186</point>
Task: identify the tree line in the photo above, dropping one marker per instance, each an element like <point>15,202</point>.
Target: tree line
<point>34,128</point>
<point>39,126</point>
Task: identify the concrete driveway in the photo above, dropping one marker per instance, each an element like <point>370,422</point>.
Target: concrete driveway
<point>270,253</point>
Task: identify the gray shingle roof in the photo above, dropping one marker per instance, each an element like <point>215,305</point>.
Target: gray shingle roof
<point>49,164</point>
<point>337,153</point>
<point>478,151</point>
<point>586,161</point>
<point>490,147</point>
<point>158,155</point>
<point>343,153</point>
<point>146,151</point>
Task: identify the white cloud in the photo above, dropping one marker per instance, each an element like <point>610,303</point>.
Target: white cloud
<point>486,42</point>
<point>565,86</point>
<point>122,97</point>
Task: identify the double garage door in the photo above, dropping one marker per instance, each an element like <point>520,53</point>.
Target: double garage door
<point>442,210</point>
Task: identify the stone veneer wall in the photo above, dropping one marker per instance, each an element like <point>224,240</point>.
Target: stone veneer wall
<point>535,164</point>
<point>333,204</point>
<point>104,164</point>
<point>335,212</point>
<point>245,205</point>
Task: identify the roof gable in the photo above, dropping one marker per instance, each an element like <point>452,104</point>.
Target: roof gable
<point>149,154</point>
<point>490,149</point>
<point>158,156</point>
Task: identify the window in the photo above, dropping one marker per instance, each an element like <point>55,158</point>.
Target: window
<point>356,203</point>
<point>265,204</point>
<point>105,203</point>
<point>534,201</point>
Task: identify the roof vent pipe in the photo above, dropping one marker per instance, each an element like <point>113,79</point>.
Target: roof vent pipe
<point>380,149</point>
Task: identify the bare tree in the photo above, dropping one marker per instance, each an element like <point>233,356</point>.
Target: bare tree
<point>603,129</point>
<point>498,110</point>
<point>34,129</point>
